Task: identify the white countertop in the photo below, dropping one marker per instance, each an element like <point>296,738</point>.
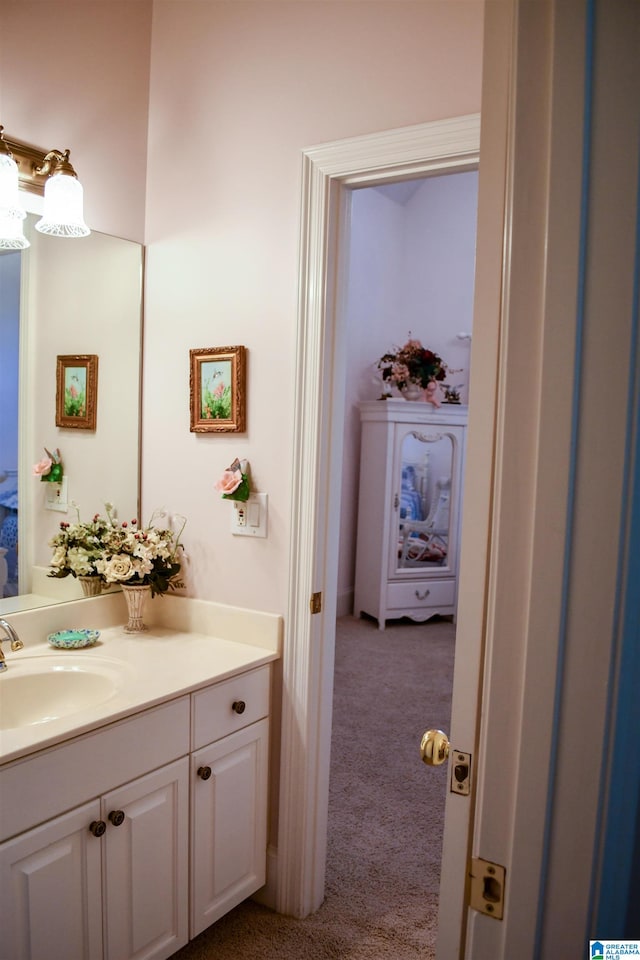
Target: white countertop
<point>150,668</point>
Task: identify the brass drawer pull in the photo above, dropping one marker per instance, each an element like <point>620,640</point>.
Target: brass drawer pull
<point>424,595</point>
<point>238,706</point>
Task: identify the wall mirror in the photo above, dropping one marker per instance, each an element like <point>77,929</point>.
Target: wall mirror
<point>424,510</point>
<point>65,297</point>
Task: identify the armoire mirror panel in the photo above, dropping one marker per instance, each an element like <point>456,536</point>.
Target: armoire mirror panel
<point>424,492</point>
<point>65,297</point>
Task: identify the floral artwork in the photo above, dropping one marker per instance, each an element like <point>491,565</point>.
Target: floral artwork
<point>217,385</point>
<point>76,391</point>
<point>215,390</point>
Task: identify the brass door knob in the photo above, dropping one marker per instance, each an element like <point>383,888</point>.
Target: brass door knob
<point>434,747</point>
<point>204,772</point>
<point>238,706</point>
<point>117,817</point>
<point>97,827</point>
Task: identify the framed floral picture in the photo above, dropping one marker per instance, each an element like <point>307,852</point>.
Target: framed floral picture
<point>77,391</point>
<point>217,389</point>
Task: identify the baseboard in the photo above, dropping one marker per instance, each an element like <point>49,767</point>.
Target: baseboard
<point>344,604</point>
<point>267,895</point>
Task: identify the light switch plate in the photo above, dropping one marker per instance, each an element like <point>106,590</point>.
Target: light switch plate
<point>57,496</point>
<point>249,517</point>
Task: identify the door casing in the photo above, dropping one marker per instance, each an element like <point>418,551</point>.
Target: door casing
<point>329,171</point>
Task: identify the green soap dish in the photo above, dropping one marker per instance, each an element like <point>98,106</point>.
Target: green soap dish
<point>73,639</point>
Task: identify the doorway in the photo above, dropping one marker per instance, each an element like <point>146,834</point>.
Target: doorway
<point>408,153</point>
<point>408,272</point>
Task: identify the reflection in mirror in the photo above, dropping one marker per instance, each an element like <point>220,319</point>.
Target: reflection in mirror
<point>65,298</point>
<point>425,495</point>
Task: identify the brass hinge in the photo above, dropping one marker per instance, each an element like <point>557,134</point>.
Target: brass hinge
<point>316,603</point>
<point>486,890</point>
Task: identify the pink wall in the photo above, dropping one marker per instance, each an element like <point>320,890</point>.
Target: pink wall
<point>237,91</point>
<point>76,74</point>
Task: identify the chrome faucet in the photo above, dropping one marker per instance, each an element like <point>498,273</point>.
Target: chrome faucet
<point>16,642</point>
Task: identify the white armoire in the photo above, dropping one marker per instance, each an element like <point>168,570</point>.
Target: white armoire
<point>411,468</point>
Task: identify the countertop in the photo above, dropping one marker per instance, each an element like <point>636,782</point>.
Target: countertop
<point>150,668</point>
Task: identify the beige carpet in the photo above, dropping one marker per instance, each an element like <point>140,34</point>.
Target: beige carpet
<point>385,814</point>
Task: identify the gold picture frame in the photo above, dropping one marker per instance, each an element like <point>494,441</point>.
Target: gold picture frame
<point>217,389</point>
<point>77,391</point>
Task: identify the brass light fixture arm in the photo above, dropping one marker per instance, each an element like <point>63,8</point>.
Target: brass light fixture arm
<point>35,165</point>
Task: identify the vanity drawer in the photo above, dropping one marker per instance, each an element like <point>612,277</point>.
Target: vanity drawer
<point>229,705</point>
<point>421,593</point>
<point>48,783</point>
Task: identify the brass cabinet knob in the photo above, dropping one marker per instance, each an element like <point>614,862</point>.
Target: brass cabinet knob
<point>434,747</point>
<point>204,772</point>
<point>116,817</point>
<point>238,706</point>
<point>97,827</point>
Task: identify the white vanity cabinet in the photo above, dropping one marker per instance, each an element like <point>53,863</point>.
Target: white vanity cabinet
<point>411,469</point>
<point>52,890</point>
<point>101,865</point>
<point>229,795</point>
<point>145,864</point>
<point>64,877</point>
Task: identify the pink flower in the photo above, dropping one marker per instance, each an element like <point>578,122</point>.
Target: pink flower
<point>73,391</point>
<point>42,467</point>
<point>229,481</point>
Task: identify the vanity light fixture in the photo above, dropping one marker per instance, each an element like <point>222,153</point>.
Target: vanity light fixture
<point>11,212</point>
<point>49,173</point>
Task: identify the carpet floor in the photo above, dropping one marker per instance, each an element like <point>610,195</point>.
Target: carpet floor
<point>386,810</point>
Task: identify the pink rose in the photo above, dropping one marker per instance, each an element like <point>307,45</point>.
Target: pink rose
<point>42,467</point>
<point>229,481</point>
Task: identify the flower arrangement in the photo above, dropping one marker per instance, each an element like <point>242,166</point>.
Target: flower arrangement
<point>50,467</point>
<point>412,363</point>
<point>119,553</point>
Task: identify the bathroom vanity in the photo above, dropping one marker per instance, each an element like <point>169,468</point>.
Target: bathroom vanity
<point>128,828</point>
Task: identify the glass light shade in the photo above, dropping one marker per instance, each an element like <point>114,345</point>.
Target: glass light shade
<point>62,213</point>
<point>11,234</point>
<point>9,199</point>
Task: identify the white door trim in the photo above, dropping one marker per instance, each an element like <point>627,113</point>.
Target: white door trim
<point>445,145</point>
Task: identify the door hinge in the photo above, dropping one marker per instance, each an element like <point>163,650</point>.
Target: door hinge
<point>316,603</point>
<point>486,889</point>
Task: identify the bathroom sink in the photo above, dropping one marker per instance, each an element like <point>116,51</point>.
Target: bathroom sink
<point>41,689</point>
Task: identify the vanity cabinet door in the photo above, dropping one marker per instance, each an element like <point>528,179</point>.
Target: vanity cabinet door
<point>51,890</point>
<point>146,865</point>
<point>228,823</point>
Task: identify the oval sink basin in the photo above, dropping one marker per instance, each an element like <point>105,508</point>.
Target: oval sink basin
<point>41,689</point>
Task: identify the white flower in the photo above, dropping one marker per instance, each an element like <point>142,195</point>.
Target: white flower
<point>116,569</point>
<point>79,561</point>
<point>59,557</point>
